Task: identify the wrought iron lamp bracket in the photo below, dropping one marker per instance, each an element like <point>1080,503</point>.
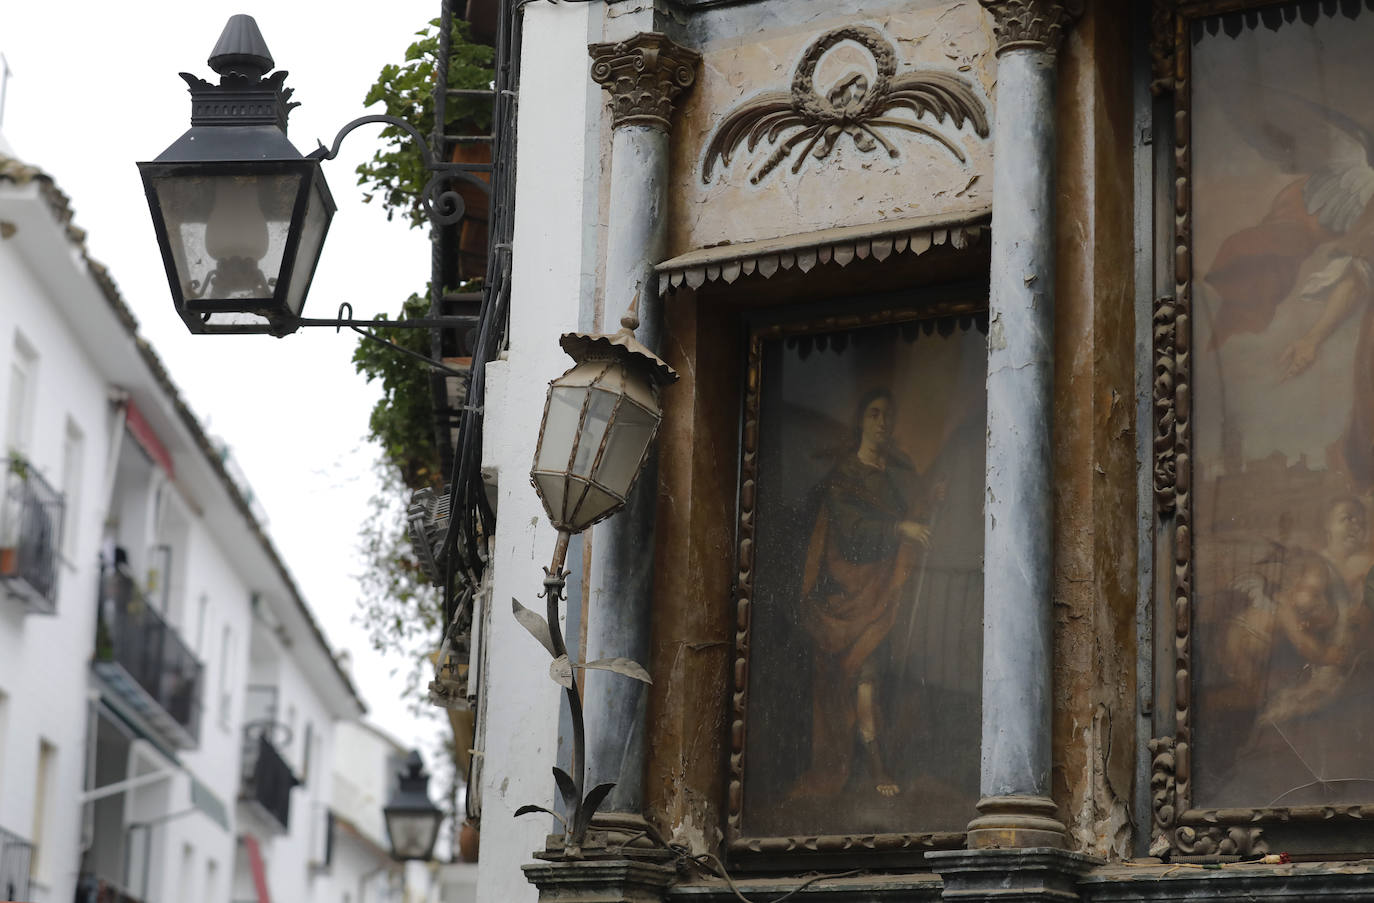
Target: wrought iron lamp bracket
<point>444,207</point>
<point>345,318</point>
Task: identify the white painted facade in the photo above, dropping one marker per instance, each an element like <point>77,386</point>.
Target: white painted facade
<point>553,281</point>
<point>141,795</point>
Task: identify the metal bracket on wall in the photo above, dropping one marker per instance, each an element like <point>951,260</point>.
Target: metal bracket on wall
<point>345,318</point>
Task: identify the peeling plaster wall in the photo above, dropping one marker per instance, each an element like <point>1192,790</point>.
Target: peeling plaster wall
<point>1094,443</point>
<point>753,50</point>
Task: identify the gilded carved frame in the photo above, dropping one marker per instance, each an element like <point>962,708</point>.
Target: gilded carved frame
<point>765,852</point>
<point>1179,829</point>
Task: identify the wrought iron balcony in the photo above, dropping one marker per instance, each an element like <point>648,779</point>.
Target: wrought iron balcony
<point>30,535</point>
<point>267,779</point>
<point>91,888</point>
<point>15,856</point>
<point>144,660</point>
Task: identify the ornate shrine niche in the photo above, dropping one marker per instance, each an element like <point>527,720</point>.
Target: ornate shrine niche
<point>1264,448</point>
<point>810,116</point>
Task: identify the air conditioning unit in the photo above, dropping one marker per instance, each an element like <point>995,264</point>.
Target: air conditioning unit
<point>427,523</point>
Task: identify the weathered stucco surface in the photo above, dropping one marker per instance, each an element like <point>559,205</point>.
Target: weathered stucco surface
<point>1095,739</point>
<point>754,50</point>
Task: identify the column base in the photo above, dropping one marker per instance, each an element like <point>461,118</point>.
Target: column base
<point>612,836</point>
<point>600,881</point>
<point>1046,875</point>
<point>632,836</point>
<point>1016,822</point>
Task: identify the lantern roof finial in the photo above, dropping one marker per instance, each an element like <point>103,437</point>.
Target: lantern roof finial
<point>241,51</point>
<point>622,346</point>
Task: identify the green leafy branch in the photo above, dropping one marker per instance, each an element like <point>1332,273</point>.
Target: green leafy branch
<point>397,173</point>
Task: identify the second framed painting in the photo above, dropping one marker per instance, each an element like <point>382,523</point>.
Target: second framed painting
<point>859,604</point>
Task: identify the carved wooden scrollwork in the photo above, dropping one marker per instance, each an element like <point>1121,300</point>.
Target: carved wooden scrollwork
<point>1162,45</point>
<point>1202,833</point>
<point>1033,24</point>
<point>1220,840</point>
<point>1163,794</point>
<point>644,75</point>
<point>1165,325</point>
<point>852,106</point>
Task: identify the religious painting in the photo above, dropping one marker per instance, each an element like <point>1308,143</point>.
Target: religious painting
<point>858,664</point>
<point>1274,428</point>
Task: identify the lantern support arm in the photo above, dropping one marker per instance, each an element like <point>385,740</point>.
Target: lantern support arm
<point>345,318</point>
<point>329,153</point>
<point>444,206</point>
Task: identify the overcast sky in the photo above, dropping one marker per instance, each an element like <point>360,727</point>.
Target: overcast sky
<point>93,89</point>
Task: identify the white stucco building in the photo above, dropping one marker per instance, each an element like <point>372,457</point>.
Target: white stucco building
<point>167,701</point>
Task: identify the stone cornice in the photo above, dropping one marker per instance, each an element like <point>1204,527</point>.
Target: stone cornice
<point>1031,24</point>
<point>644,75</point>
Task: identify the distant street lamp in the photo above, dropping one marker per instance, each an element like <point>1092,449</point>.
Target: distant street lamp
<point>412,821</point>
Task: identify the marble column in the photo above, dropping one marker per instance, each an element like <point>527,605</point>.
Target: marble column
<point>1018,631</point>
<point>644,77</point>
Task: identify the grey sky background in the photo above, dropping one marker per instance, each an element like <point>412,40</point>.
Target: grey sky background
<point>94,88</point>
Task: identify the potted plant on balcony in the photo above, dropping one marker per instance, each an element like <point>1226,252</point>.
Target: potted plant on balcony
<point>11,511</point>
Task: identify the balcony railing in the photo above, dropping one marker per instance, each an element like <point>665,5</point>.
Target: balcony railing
<point>267,779</point>
<point>93,889</point>
<point>30,535</point>
<point>16,853</point>
<point>146,662</point>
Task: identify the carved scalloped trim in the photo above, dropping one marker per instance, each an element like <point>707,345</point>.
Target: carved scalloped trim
<point>806,257</point>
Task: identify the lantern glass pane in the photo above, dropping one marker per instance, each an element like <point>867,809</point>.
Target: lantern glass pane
<point>551,489</point>
<point>412,833</point>
<point>560,427</point>
<point>599,411</point>
<point>595,504</point>
<point>315,224</point>
<point>630,435</point>
<point>227,233</point>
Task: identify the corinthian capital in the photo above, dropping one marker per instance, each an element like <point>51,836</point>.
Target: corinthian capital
<point>644,75</point>
<point>1034,24</point>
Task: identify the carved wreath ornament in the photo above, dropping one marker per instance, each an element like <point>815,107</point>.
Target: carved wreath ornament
<point>852,106</point>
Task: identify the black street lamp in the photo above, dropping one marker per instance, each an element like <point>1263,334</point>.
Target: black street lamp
<point>412,821</point>
<point>240,214</point>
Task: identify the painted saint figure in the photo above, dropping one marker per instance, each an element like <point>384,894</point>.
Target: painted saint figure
<point>871,530</point>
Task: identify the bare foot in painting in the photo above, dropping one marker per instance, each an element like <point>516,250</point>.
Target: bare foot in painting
<point>888,787</point>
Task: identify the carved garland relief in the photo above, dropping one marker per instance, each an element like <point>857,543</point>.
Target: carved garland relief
<point>852,106</point>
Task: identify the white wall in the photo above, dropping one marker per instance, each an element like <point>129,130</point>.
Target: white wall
<point>43,658</point>
<point>83,352</point>
<point>522,705</point>
<point>288,856</point>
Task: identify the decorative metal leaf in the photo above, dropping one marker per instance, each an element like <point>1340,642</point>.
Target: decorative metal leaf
<point>626,666</point>
<point>534,623</point>
<point>595,797</point>
<point>566,787</point>
<point>526,810</point>
<point>560,669</point>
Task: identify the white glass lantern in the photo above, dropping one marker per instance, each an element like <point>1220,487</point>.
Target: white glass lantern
<point>600,419</point>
